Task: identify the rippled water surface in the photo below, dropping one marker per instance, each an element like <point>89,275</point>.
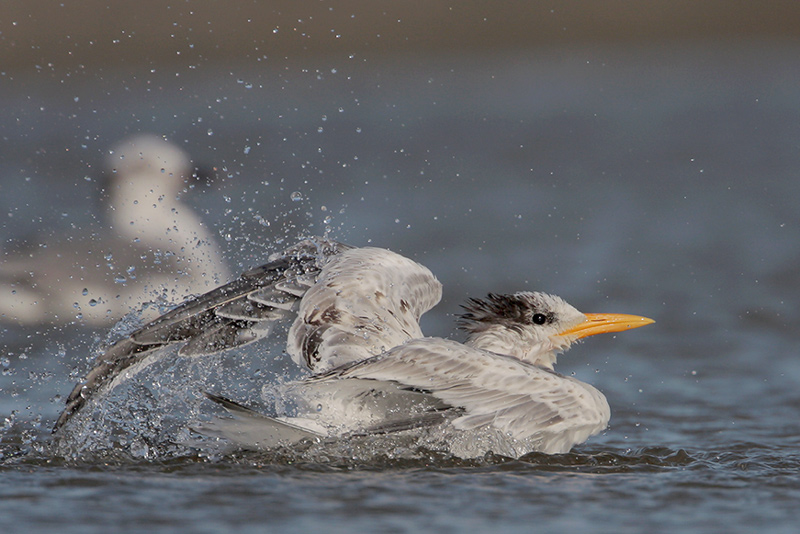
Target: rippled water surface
<point>659,181</point>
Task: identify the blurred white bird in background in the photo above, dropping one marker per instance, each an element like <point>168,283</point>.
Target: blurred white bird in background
<point>152,247</point>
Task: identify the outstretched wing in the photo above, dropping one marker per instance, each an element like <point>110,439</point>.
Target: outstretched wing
<point>231,315</point>
<point>516,398</point>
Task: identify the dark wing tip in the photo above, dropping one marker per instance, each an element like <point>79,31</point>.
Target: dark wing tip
<point>117,357</point>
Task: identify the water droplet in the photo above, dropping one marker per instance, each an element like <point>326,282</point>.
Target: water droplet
<point>85,292</point>
<point>296,196</point>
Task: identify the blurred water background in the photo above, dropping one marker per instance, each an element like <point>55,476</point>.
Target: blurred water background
<point>640,158</point>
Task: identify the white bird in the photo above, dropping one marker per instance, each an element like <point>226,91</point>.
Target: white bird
<point>355,327</point>
<point>153,248</point>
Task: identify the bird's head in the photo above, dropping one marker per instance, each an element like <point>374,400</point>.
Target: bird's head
<point>535,327</point>
<point>147,167</point>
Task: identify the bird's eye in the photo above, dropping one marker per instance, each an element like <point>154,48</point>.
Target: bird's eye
<point>539,318</point>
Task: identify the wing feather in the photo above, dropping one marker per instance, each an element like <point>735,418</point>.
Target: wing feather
<point>516,398</point>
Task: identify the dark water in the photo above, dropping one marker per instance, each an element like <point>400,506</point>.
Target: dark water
<point>661,181</point>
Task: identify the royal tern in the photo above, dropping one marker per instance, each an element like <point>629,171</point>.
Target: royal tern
<point>355,327</point>
<point>154,247</point>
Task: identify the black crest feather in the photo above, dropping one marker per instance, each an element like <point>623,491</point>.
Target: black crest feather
<point>512,311</point>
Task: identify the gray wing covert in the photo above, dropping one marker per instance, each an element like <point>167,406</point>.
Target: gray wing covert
<point>231,315</point>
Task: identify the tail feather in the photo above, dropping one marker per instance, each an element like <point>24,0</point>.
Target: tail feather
<point>250,429</point>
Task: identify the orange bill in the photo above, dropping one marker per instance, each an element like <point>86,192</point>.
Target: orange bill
<point>603,323</point>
